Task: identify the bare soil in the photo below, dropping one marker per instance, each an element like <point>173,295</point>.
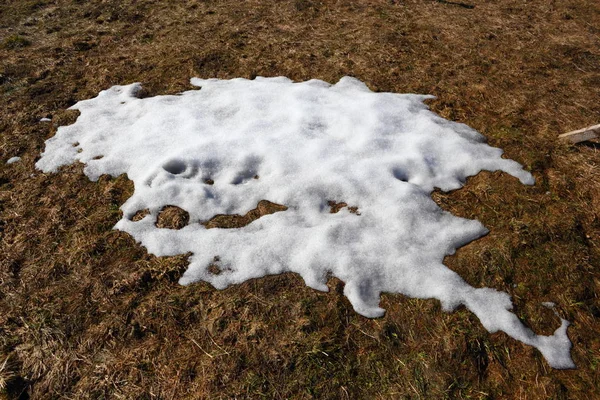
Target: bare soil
<point>85,312</point>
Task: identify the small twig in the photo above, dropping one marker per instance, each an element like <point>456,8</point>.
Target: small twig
<point>455,3</point>
<point>365,333</point>
<point>582,135</point>
<point>200,347</point>
<point>260,300</point>
<point>216,344</point>
<point>3,382</point>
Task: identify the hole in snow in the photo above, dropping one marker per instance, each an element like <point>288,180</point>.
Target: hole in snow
<point>97,157</point>
<point>75,144</point>
<point>174,167</point>
<point>139,215</point>
<point>229,221</point>
<point>244,177</point>
<point>209,181</point>
<point>172,217</point>
<point>248,171</point>
<point>400,174</point>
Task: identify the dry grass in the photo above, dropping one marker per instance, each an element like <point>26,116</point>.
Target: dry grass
<point>226,221</point>
<point>86,313</point>
<point>172,217</point>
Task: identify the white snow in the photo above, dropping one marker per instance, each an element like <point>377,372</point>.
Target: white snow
<point>45,119</point>
<point>13,160</point>
<point>308,143</point>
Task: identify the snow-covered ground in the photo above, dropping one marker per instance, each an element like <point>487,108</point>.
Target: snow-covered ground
<point>222,149</point>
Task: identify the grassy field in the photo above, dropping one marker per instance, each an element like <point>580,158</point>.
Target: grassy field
<point>85,312</point>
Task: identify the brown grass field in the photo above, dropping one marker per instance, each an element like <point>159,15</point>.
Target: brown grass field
<point>85,312</point>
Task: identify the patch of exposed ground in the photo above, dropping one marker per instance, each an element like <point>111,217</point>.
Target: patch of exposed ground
<point>335,207</point>
<point>264,207</point>
<point>172,217</point>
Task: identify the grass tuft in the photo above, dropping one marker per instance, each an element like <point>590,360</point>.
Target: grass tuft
<point>15,42</point>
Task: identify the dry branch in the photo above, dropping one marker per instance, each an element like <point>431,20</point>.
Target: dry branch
<point>581,135</point>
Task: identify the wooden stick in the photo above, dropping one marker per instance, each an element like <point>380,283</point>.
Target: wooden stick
<point>581,135</point>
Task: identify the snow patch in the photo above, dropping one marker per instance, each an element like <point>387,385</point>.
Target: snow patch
<point>13,160</point>
<point>302,146</point>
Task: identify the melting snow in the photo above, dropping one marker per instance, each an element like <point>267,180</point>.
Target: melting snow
<point>224,148</point>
